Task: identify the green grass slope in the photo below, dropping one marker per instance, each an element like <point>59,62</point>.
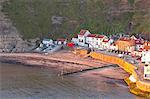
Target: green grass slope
<point>34,18</point>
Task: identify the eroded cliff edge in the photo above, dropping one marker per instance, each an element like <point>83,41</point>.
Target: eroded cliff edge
<point>10,39</point>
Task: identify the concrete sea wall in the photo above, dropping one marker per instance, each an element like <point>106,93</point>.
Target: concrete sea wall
<point>145,86</point>
<point>141,85</point>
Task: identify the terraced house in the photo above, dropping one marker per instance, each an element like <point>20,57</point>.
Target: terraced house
<point>82,37</point>
<point>125,44</point>
<point>95,40</point>
<point>146,53</point>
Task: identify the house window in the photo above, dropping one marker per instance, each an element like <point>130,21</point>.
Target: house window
<point>96,43</point>
<point>80,40</point>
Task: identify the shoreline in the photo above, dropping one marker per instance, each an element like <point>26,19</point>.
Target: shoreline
<point>67,63</point>
<point>33,79</point>
<point>138,87</point>
<point>64,61</point>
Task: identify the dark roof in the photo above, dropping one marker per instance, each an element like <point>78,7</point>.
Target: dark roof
<point>92,35</point>
<point>82,32</point>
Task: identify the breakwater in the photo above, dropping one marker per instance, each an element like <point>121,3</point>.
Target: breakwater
<point>65,62</point>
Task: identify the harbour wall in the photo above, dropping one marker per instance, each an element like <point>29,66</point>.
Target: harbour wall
<point>128,67</point>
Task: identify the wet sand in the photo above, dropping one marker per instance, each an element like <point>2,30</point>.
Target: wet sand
<point>30,82</point>
<point>38,77</point>
<point>112,73</point>
<point>63,61</point>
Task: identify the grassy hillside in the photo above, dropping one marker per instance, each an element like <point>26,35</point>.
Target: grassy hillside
<point>63,18</point>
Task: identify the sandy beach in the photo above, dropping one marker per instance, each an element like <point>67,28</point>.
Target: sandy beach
<point>102,80</point>
<point>64,62</point>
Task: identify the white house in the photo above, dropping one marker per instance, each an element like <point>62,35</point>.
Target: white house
<point>47,42</point>
<point>139,44</point>
<point>91,40</point>
<point>82,37</point>
<point>100,39</point>
<point>75,40</point>
<point>61,41</point>
<point>146,56</point>
<point>146,53</point>
<point>137,53</point>
<point>147,72</point>
<point>106,43</point>
<point>139,47</point>
<point>133,37</point>
<point>95,40</point>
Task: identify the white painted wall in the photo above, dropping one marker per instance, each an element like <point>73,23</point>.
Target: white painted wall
<point>82,39</point>
<point>90,41</point>
<point>145,56</point>
<point>75,40</point>
<point>60,42</point>
<point>138,46</point>
<point>95,42</point>
<point>50,41</point>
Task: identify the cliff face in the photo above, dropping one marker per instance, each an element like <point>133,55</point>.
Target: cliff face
<point>139,12</point>
<point>9,36</point>
<point>10,39</point>
<point>64,18</point>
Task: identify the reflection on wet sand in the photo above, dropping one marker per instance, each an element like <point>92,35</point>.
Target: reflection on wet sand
<point>27,82</point>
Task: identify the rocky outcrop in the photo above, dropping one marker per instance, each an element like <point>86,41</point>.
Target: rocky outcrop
<point>10,39</point>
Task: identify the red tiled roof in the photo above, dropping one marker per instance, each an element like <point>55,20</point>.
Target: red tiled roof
<point>82,32</point>
<point>92,35</point>
<point>139,42</point>
<point>105,40</point>
<point>100,36</point>
<point>141,49</point>
<point>96,35</point>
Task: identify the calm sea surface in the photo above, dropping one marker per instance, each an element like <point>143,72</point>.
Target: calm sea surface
<point>28,82</point>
